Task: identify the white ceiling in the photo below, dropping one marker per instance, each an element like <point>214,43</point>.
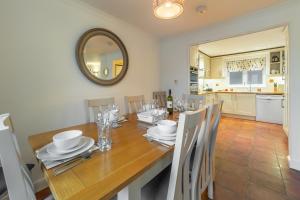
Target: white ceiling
<point>251,42</point>
<point>140,13</point>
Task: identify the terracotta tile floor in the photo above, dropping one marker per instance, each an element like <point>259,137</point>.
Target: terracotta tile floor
<point>251,162</point>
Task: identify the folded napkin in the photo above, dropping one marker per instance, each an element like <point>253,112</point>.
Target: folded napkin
<point>151,116</point>
<point>53,163</point>
<point>166,142</point>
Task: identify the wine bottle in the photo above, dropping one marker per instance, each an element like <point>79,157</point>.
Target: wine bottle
<point>170,103</point>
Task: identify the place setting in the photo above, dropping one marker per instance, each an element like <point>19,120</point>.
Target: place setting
<point>70,148</point>
<point>66,148</point>
<point>164,133</point>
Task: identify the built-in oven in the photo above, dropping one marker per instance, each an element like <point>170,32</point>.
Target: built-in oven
<point>193,76</point>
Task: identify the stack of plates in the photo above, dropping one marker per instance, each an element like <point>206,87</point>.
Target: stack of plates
<point>51,153</point>
<point>164,132</point>
<point>65,146</point>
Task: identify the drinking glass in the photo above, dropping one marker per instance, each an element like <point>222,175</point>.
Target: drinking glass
<point>104,131</point>
<point>114,113</point>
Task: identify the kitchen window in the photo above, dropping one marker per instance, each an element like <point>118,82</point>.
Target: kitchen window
<point>246,78</point>
<point>255,77</point>
<point>236,78</point>
<point>246,72</point>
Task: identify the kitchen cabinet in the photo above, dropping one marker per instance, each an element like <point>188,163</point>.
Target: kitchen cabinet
<point>245,104</point>
<point>210,98</point>
<point>277,63</point>
<point>194,56</point>
<point>228,104</point>
<point>216,68</point>
<point>207,69</point>
<point>238,104</point>
<point>204,66</point>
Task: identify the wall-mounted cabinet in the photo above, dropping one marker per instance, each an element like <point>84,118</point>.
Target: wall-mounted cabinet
<point>216,68</point>
<point>204,65</point>
<point>194,56</point>
<point>277,62</point>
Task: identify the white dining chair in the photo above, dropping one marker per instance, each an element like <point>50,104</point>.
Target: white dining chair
<point>161,98</point>
<point>203,166</point>
<point>96,105</point>
<point>175,183</point>
<point>16,176</point>
<point>193,102</point>
<point>133,103</point>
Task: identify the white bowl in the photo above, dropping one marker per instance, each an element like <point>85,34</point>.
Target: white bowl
<point>67,139</point>
<point>167,126</point>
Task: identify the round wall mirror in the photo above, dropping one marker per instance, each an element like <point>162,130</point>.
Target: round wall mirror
<point>102,56</point>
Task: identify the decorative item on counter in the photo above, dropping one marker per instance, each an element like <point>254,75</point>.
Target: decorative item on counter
<point>271,81</point>
<point>258,89</point>
<point>226,90</point>
<point>275,87</point>
<point>231,89</point>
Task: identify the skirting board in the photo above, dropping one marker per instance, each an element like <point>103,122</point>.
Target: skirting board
<point>286,130</point>
<point>239,116</point>
<point>40,184</point>
<point>294,164</point>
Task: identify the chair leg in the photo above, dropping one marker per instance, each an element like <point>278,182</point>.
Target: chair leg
<point>211,189</point>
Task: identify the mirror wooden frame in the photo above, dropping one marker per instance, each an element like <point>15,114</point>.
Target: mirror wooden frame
<point>80,60</point>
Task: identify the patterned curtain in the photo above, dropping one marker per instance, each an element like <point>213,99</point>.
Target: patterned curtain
<point>253,64</point>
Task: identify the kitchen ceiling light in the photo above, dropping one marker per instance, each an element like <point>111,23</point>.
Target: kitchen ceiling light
<point>167,9</point>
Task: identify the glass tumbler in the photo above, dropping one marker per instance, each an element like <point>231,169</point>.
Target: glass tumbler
<point>104,136</point>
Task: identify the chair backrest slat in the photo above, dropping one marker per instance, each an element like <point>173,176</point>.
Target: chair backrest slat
<point>193,101</point>
<point>189,127</point>
<point>202,172</point>
<point>18,181</point>
<point>96,105</point>
<point>133,103</point>
<point>161,98</point>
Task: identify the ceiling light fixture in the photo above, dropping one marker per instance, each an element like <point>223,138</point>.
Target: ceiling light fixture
<point>167,9</point>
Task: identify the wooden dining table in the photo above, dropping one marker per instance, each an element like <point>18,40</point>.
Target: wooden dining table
<point>131,163</point>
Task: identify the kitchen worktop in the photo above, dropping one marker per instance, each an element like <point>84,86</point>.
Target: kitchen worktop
<point>237,92</point>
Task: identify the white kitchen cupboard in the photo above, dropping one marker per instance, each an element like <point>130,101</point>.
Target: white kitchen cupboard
<point>238,104</point>
<point>207,66</point>
<point>228,104</point>
<point>245,104</point>
<point>216,68</point>
<point>210,98</point>
<point>194,56</point>
<point>204,66</point>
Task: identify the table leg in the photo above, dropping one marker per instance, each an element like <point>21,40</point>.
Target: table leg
<point>134,190</point>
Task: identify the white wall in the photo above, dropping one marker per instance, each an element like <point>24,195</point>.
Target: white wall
<point>174,56</point>
<point>40,82</point>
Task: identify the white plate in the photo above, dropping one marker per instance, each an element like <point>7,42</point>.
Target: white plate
<point>164,133</point>
<point>52,149</point>
<point>156,133</point>
<point>42,153</point>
